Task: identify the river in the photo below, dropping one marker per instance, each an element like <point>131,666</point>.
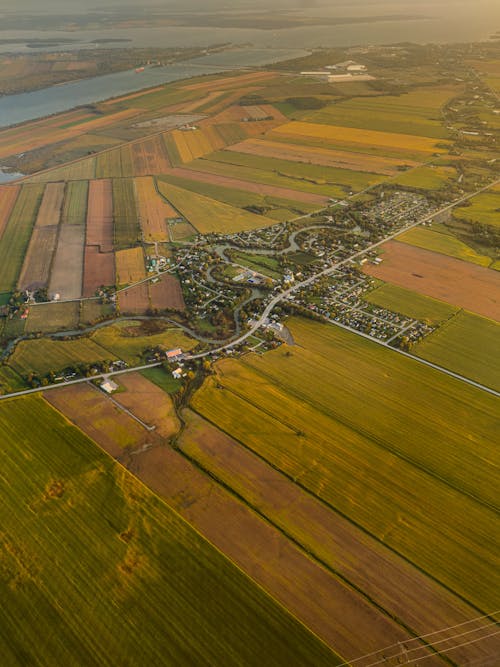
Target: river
<point>55,99</point>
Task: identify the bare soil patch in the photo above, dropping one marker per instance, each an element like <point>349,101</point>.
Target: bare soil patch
<point>459,283</point>
<point>67,269</point>
<point>100,215</point>
<point>167,294</point>
<point>150,403</point>
<point>99,270</point>
<point>135,300</point>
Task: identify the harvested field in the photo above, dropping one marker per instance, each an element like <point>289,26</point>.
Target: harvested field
<point>38,260</point>
<point>134,300</point>
<point>100,216</point>
<point>209,215</point>
<point>389,443</point>
<point>98,271</point>
<point>259,188</point>
<point>444,243</point>
<point>312,594</point>
<point>153,210</point>
<point>150,403</point>
<point>8,196</point>
<point>467,344</point>
<point>181,231</point>
<point>153,579</point>
<point>98,417</point>
<point>129,339</point>
<point>66,278</point>
<point>130,266</point>
<point>149,156</point>
<point>445,278</point>
<point>17,233</point>
<point>167,294</point>
<point>320,156</point>
<point>335,542</point>
<point>49,317</point>
<point>44,355</point>
<point>127,230</point>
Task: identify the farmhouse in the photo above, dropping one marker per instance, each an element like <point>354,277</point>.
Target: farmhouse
<point>174,354</point>
<point>109,386</point>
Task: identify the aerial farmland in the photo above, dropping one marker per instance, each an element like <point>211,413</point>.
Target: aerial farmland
<point>253,318</point>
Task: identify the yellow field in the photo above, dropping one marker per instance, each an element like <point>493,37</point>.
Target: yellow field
<point>209,215</point>
<point>129,266</point>
<point>390,140</point>
<point>153,210</point>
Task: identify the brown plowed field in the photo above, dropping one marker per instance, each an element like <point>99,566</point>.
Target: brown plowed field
<point>310,592</point>
<point>130,266</point>
<point>99,269</point>
<point>149,156</point>
<point>402,590</point>
<point>454,281</point>
<point>37,262</point>
<point>8,196</point>
<point>100,215</point>
<point>320,156</point>
<point>259,188</point>
<point>134,301</point>
<point>49,212</point>
<point>167,294</point>
<point>98,417</point>
<point>149,403</point>
<point>67,269</point>
<point>153,210</point>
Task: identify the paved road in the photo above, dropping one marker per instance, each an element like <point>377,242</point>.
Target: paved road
<point>282,296</point>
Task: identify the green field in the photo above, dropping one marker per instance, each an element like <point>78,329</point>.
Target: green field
<point>484,209</point>
<point>17,233</point>
<point>444,243</point>
<point>50,317</point>
<point>75,203</point>
<point>415,113</point>
<point>128,339</point>
<point>299,171</point>
<point>10,381</point>
<point>242,198</point>
<point>391,444</point>
<point>96,570</point>
<point>208,215</point>
<point>255,175</point>
<point>125,217</point>
<point>426,178</point>
<point>163,379</point>
<point>268,266</point>
<point>469,345</point>
<point>43,355</point>
<point>410,303</point>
